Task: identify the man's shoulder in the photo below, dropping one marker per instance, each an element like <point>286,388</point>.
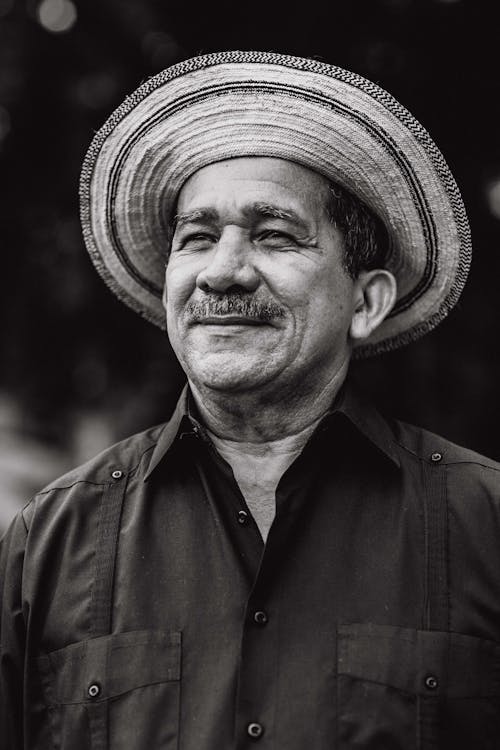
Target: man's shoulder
<point>124,456</point>
<point>436,449</point>
<point>78,486</point>
<point>408,443</point>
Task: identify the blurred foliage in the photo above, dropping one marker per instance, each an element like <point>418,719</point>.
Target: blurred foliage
<point>68,348</point>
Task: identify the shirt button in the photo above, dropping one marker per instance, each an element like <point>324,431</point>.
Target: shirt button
<point>117,474</point>
<point>436,457</point>
<point>255,730</point>
<point>260,617</point>
<point>242,517</point>
<point>431,682</point>
<point>94,690</point>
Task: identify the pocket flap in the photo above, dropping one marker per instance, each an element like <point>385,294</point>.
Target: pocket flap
<point>112,664</point>
<point>459,665</point>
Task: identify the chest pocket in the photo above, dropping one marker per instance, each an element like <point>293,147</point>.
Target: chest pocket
<point>115,691</point>
<point>402,689</point>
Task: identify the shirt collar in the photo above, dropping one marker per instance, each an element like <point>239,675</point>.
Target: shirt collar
<point>358,410</point>
<point>365,417</point>
<point>179,424</point>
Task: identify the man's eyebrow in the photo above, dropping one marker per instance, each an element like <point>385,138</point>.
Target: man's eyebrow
<point>259,209</point>
<point>196,216</point>
<point>268,210</point>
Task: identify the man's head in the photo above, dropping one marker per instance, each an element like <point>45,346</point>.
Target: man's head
<point>235,105</point>
<point>268,281</point>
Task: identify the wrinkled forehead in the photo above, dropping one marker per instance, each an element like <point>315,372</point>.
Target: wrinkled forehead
<point>262,185</point>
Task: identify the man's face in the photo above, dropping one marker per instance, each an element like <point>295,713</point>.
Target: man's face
<point>255,289</point>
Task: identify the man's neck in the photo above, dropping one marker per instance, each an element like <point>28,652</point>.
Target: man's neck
<point>258,416</point>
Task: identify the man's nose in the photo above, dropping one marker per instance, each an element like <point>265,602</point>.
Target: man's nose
<point>229,263</point>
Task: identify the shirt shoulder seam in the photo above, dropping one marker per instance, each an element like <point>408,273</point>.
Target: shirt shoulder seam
<point>455,462</point>
<point>129,473</point>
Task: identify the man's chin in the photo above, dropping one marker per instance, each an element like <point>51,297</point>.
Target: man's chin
<point>225,376</point>
<point>230,383</point>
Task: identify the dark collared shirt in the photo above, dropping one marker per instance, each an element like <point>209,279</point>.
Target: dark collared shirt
<point>141,609</point>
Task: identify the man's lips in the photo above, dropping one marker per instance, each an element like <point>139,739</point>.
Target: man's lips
<point>229,320</point>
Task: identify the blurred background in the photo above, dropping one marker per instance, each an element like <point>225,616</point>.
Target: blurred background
<point>78,370</point>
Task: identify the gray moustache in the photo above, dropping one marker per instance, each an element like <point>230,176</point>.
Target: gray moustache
<point>234,304</point>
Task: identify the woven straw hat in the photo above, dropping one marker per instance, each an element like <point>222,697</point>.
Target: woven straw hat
<point>232,104</point>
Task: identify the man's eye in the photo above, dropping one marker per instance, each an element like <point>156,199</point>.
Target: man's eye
<point>200,237</point>
<point>195,241</point>
<point>275,237</point>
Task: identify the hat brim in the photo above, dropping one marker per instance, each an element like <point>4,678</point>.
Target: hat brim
<point>234,104</point>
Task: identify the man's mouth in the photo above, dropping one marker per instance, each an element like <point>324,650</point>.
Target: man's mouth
<point>230,320</point>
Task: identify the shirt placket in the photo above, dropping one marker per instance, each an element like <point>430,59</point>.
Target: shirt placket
<point>263,628</point>
<point>258,667</point>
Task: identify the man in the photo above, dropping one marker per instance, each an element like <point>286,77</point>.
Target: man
<point>277,565</point>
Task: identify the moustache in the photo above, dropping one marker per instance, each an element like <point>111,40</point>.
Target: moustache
<point>234,304</point>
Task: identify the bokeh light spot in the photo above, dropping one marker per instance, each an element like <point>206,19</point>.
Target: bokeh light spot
<point>57,16</point>
<point>493,197</point>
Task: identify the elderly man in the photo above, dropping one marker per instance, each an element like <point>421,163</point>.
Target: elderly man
<point>278,564</point>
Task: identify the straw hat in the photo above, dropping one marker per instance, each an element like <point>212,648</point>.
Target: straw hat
<point>234,104</point>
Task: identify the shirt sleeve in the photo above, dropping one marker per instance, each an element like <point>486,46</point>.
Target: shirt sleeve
<point>12,635</point>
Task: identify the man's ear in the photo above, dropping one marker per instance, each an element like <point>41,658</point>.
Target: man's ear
<point>374,297</point>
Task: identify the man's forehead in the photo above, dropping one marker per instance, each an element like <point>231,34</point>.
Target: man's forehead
<point>259,170</point>
<point>258,186</point>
